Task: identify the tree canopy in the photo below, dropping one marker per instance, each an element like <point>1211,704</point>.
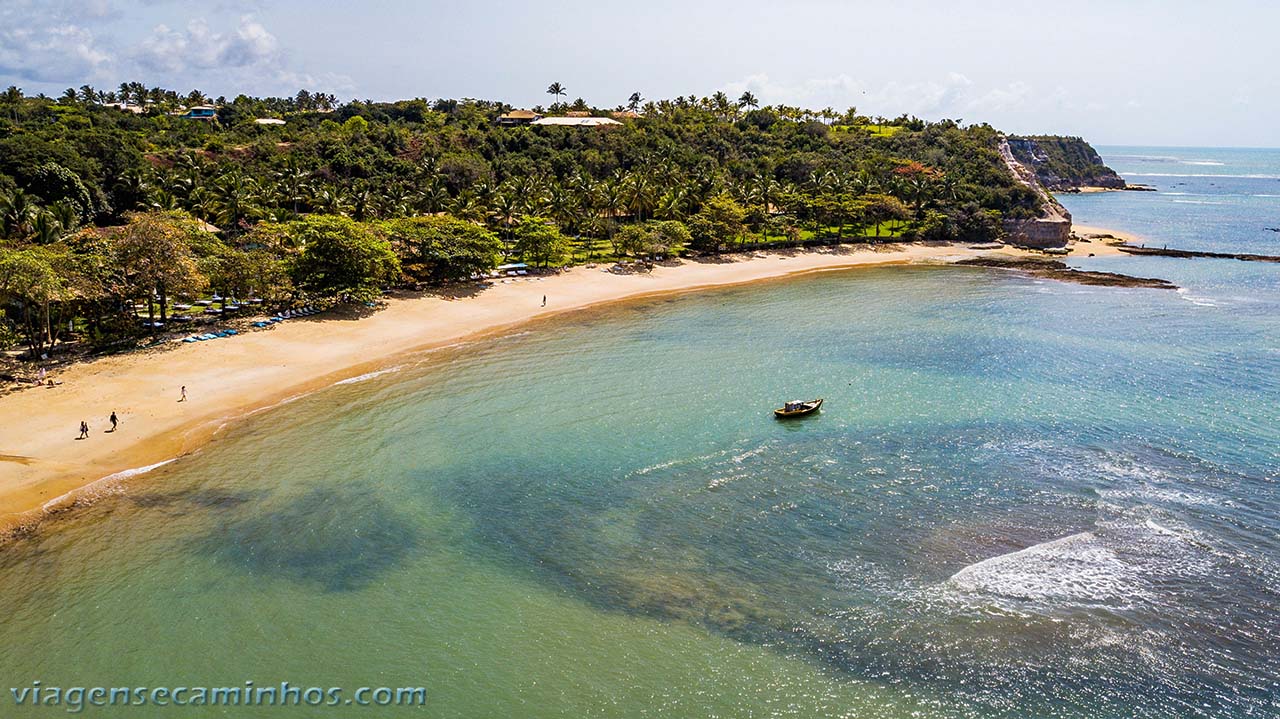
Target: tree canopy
<point>109,199</point>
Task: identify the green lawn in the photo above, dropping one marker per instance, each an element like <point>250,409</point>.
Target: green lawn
<point>875,130</point>
<point>599,250</point>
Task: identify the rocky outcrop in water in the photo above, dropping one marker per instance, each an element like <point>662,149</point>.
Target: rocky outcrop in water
<point>1063,164</point>
<point>1055,270</point>
<point>1166,252</point>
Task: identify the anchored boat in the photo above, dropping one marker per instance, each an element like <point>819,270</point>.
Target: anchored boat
<point>797,408</point>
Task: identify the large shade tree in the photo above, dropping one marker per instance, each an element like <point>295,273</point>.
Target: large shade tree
<point>340,256</point>
<point>157,252</point>
<point>442,248</point>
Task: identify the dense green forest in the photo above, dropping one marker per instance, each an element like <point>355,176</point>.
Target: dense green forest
<point>113,206</point>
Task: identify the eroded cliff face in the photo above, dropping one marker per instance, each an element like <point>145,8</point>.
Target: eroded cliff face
<point>1063,164</point>
<point>1053,227</point>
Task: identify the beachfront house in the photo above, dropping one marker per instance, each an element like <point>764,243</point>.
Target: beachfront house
<point>577,121</point>
<point>126,107</point>
<point>201,112</point>
<point>518,117</point>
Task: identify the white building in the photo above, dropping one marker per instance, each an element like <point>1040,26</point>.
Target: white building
<point>577,121</point>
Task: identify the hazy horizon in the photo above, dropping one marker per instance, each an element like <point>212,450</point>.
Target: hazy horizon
<point>1116,75</point>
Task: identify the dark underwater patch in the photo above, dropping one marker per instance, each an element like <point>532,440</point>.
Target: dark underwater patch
<point>337,540</point>
<point>209,498</point>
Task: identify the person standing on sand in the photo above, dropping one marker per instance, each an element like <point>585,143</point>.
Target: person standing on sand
<point>184,394</point>
<point>84,430</point>
<point>114,421</point>
<point>544,300</point>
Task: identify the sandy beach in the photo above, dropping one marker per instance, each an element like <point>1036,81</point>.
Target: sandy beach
<point>1095,238</point>
<point>43,467</point>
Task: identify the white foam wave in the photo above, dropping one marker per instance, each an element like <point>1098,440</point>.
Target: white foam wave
<point>739,458</point>
<point>1152,494</point>
<point>100,487</point>
<point>367,376</point>
<point>1077,569</point>
<point>1214,163</point>
<point>1204,174</point>
<point>136,471</point>
<point>677,462</point>
<point>1197,202</point>
<point>1159,158</point>
<point>1197,300</point>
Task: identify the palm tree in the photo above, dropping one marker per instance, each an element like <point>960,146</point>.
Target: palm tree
<point>634,101</point>
<point>765,191</point>
<point>235,199</point>
<point>506,209</point>
<point>432,198</point>
<point>556,89</point>
<point>292,186</point>
<point>66,214</point>
<point>393,201</point>
<point>332,200</point>
<point>673,205</point>
<point>47,229</point>
<point>562,204</point>
<point>611,201</point>
<point>641,196</point>
<point>13,98</point>
<point>748,100</point>
<point>362,202</point>
<point>162,199</point>
<point>465,207</point>
<point>17,214</point>
<point>720,103</point>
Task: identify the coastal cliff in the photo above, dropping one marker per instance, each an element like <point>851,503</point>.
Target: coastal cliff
<point>1053,227</point>
<point>1064,164</point>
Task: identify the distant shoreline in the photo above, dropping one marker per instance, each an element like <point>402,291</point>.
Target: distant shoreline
<point>44,470</point>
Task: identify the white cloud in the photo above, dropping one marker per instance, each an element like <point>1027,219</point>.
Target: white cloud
<point>50,54</point>
<point>198,47</point>
<point>953,95</point>
<point>931,98</point>
<point>51,44</point>
<point>813,91</point>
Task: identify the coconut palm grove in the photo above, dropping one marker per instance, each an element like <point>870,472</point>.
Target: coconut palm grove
<point>117,205</point>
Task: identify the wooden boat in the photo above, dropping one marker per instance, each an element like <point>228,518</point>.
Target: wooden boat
<point>797,408</point>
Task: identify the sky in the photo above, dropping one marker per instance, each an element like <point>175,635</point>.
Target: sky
<point>1171,72</point>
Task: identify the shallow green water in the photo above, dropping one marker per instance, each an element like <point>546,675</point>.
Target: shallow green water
<point>598,517</point>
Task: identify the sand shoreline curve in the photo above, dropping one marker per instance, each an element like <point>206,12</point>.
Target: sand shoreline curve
<point>44,469</point>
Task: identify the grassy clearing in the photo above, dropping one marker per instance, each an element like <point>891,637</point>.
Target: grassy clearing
<point>873,130</point>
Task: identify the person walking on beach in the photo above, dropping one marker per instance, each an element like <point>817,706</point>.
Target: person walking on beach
<point>84,430</point>
<point>184,394</point>
<point>544,300</point>
<point>114,421</point>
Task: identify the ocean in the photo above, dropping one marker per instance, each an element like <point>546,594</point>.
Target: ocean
<point>1022,499</point>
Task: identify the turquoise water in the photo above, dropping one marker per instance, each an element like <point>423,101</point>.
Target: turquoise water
<point>1216,199</point>
<point>1022,499</point>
